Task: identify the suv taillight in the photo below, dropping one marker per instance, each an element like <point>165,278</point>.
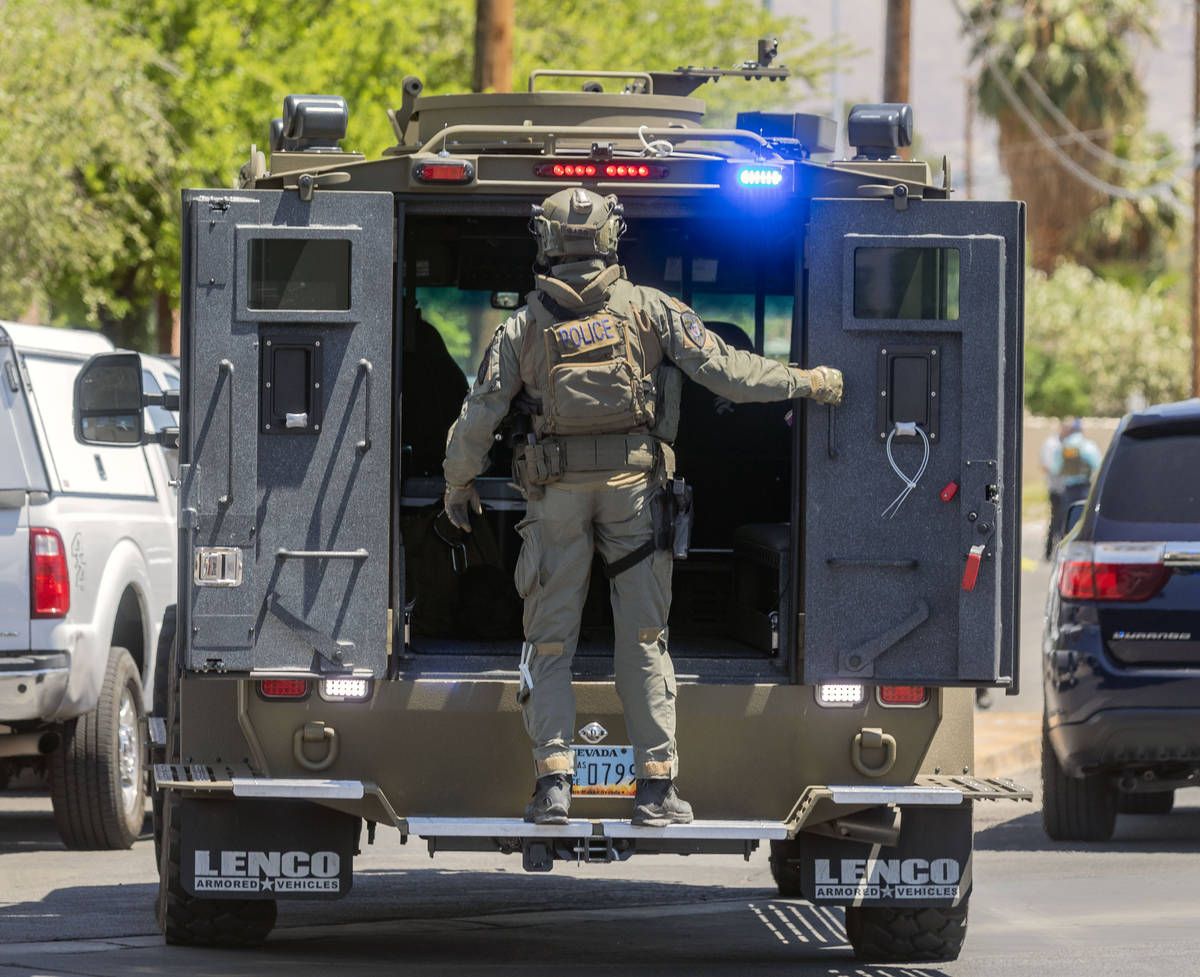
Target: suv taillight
<point>1112,572</point>
<point>49,582</point>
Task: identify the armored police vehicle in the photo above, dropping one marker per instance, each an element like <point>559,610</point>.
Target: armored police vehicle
<point>346,656</point>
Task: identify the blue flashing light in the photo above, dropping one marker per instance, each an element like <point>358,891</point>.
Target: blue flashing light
<point>759,176</point>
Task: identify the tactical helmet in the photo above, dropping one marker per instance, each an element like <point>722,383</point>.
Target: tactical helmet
<point>577,223</point>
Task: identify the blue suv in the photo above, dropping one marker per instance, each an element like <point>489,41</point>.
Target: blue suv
<point>1121,648</point>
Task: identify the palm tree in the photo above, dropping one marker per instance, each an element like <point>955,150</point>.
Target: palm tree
<point>1066,66</point>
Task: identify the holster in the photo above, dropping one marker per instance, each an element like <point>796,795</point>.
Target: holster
<point>671,512</point>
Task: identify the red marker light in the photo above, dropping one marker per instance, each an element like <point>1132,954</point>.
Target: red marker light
<point>283,688</point>
<point>949,492</point>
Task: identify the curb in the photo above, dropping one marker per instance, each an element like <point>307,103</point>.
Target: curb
<point>1007,744</point>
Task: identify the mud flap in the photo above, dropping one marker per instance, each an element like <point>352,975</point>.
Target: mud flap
<point>256,849</point>
<point>930,865</point>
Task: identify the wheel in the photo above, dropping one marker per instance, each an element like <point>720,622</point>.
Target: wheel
<point>1160,802</point>
<point>1075,808</point>
<point>97,775</point>
<point>919,933</point>
<point>786,875</point>
<point>188,921</point>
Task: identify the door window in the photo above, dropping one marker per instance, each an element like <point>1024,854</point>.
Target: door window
<point>82,469</point>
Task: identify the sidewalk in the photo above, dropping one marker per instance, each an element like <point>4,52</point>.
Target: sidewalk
<point>1007,743</point>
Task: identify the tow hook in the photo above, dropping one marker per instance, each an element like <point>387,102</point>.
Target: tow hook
<point>873,739</point>
<point>316,732</point>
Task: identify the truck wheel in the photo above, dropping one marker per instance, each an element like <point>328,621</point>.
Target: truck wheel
<point>887,933</point>
<point>188,921</point>
<point>97,776</point>
<point>785,874</point>
<point>1075,808</point>
<point>1160,802</point>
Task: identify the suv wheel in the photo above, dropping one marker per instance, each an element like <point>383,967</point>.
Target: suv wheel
<point>1075,808</point>
<point>1160,802</point>
<point>188,921</point>
<point>97,774</point>
<point>919,933</point>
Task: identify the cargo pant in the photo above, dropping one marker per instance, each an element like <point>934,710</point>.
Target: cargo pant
<point>560,534</point>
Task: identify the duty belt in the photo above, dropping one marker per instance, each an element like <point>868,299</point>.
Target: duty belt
<point>547,461</point>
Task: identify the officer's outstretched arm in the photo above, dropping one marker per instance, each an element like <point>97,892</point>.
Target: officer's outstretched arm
<point>736,374</point>
<point>486,405</point>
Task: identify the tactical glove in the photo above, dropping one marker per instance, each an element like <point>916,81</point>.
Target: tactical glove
<point>825,383</point>
<point>457,503</point>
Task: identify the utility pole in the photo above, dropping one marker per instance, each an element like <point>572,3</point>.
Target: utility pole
<point>896,55</point>
<point>969,141</point>
<point>1196,206</point>
<point>493,45</point>
<point>896,51</point>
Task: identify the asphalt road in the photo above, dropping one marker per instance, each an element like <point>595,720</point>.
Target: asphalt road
<point>1127,908</point>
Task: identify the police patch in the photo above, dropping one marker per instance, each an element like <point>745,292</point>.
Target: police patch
<point>694,328</point>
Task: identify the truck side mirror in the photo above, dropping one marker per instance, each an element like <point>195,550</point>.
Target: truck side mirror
<point>1074,514</point>
<point>108,400</point>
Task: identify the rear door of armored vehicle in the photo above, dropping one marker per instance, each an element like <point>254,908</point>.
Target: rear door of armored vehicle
<point>286,440</point>
<point>919,303</point>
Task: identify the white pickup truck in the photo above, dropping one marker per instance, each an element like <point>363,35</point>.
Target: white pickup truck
<point>87,586</point>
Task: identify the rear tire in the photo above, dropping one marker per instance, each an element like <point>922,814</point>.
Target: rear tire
<point>786,875</point>
<point>188,921</point>
<point>1075,808</point>
<point>97,774</point>
<point>1160,802</point>
<point>885,933</point>
<point>165,692</point>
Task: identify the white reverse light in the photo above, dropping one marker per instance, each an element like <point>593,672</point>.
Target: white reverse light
<point>840,694</point>
<point>345,689</point>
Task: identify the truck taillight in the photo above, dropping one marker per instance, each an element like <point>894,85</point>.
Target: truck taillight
<point>613,171</point>
<point>283,688</point>
<point>903,695</point>
<point>444,171</point>
<point>49,582</point>
<point>1087,580</point>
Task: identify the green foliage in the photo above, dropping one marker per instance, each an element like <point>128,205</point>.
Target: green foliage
<point>86,156</point>
<point>1091,344</point>
<point>113,106</point>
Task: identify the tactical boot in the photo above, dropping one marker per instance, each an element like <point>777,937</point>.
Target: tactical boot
<point>551,799</point>
<point>657,804</point>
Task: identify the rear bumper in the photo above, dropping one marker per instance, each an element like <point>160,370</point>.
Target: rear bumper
<point>1122,738</point>
<point>32,686</point>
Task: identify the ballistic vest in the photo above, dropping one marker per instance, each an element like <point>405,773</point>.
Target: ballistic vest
<point>593,372</point>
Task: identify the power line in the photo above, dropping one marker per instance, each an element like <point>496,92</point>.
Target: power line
<point>1050,144</point>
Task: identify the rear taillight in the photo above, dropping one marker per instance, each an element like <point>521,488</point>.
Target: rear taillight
<point>444,171</point>
<point>49,582</point>
<point>903,695</point>
<point>283,688</point>
<point>1112,571</point>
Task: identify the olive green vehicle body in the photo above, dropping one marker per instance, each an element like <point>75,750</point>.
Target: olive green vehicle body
<point>441,738</point>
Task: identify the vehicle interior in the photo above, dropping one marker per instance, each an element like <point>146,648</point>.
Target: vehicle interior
<point>463,276</point>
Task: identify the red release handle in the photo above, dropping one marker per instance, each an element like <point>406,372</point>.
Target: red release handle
<point>971,571</point>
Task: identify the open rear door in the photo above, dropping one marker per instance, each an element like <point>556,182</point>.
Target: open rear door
<point>912,486</point>
<point>287,337</point>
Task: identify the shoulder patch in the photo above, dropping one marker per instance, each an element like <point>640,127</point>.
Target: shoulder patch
<point>694,328</point>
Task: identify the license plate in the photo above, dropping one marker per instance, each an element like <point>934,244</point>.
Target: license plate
<point>604,771</point>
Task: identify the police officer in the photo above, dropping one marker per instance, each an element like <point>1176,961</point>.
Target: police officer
<point>596,361</point>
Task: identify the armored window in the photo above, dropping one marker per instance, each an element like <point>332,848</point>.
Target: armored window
<point>299,274</point>
<point>906,283</point>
